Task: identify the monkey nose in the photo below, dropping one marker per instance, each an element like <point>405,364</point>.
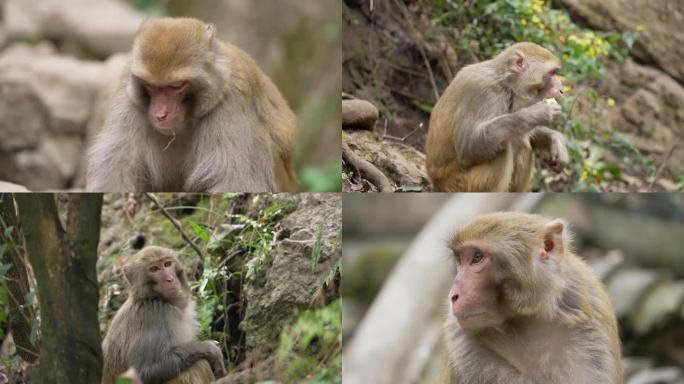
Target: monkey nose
<point>160,116</point>
<point>454,297</point>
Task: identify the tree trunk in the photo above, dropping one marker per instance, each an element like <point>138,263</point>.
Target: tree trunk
<point>21,315</point>
<point>63,255</point>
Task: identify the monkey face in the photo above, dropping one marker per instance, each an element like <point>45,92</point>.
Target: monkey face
<point>163,277</point>
<point>552,85</point>
<point>473,295</point>
<point>167,108</point>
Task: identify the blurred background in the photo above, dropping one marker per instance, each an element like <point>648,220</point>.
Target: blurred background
<point>59,60</point>
<point>397,273</point>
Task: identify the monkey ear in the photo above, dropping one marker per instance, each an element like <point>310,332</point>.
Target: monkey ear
<point>127,271</point>
<point>553,240</point>
<point>518,62</point>
<point>210,33</point>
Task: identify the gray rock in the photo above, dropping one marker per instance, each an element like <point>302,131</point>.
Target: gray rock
<point>625,288</point>
<point>672,375</point>
<point>97,26</point>
<point>660,42</point>
<point>11,187</point>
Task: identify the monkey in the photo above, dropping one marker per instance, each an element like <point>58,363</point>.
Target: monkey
<point>193,114</point>
<point>486,127</point>
<point>154,330</point>
<point>524,309</point>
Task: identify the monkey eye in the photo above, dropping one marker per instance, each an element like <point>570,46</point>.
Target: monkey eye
<point>154,268</point>
<point>477,257</point>
<point>168,263</point>
<point>553,72</point>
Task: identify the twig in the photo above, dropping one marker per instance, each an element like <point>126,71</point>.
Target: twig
<point>367,169</point>
<point>407,135</point>
<point>414,33</point>
<point>662,165</point>
<point>176,224</point>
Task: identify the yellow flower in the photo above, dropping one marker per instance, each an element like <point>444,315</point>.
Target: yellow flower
<point>640,28</point>
<point>523,22</point>
<point>535,19</point>
<point>584,175</point>
<point>611,101</point>
<point>591,52</point>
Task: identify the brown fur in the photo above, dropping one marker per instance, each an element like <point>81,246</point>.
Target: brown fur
<point>238,133</point>
<point>150,330</point>
<point>464,156</point>
<point>553,321</point>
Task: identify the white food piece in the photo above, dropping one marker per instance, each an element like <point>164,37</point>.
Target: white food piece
<point>551,100</point>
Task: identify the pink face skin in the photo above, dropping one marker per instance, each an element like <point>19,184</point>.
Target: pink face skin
<point>473,295</point>
<point>554,88</point>
<point>163,274</point>
<point>167,109</point>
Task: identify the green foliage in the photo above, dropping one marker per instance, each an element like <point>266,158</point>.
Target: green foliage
<point>311,348</point>
<point>322,179</point>
<point>491,26</point>
<point>486,27</point>
<point>316,250</point>
<point>150,7</point>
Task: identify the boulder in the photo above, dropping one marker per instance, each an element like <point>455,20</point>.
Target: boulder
<point>661,39</point>
<point>100,27</point>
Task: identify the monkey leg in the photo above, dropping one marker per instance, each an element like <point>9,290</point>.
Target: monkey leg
<point>198,373</point>
<point>492,176</point>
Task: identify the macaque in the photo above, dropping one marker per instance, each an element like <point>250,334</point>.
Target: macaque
<point>193,114</point>
<point>485,129</point>
<point>524,309</point>
<point>154,330</point>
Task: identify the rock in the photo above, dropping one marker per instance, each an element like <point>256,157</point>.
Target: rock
<point>11,187</point>
<point>659,304</point>
<point>358,114</point>
<point>672,375</point>
<point>101,27</point>
<point>23,116</point>
<point>61,152</point>
<point>650,109</point>
<point>661,41</point>
<point>402,164</point>
<point>47,102</point>
<point>625,288</point>
<point>66,86</point>
<point>292,282</point>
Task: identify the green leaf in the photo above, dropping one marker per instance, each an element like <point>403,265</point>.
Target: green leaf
<point>199,230</point>
<point>4,268</point>
<point>8,231</point>
<point>316,250</point>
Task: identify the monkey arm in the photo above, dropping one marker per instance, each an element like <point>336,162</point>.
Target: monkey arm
<point>487,139</point>
<point>550,146</point>
<point>166,366</point>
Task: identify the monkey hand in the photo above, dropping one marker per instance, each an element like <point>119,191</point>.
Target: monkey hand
<point>216,361</point>
<point>557,157</point>
<point>543,113</point>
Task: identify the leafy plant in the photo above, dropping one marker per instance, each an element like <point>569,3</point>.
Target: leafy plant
<point>311,348</point>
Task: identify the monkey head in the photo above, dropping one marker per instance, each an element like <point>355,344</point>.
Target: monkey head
<point>155,273</point>
<point>174,73</point>
<point>532,72</point>
<point>502,259</point>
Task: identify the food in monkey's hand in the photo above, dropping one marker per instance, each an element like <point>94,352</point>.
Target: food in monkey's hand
<point>550,100</point>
